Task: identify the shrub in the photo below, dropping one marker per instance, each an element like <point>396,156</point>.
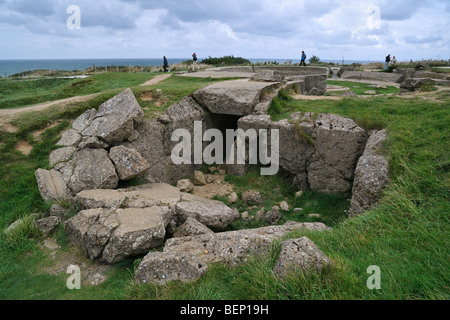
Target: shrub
<point>314,60</point>
<point>226,61</point>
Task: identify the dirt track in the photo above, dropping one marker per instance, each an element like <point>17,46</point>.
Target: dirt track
<point>6,115</point>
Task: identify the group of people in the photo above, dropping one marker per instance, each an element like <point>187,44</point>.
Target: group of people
<point>194,63</point>
<point>388,61</point>
<point>302,61</point>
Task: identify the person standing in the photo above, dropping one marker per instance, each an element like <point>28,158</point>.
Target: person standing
<point>388,60</point>
<point>194,62</point>
<point>394,61</point>
<point>302,62</point>
<point>166,65</point>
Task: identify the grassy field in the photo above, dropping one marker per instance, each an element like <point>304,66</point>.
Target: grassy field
<point>406,234</point>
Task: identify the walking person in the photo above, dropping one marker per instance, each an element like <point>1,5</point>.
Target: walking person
<point>388,60</point>
<point>194,62</point>
<point>302,62</point>
<point>166,65</point>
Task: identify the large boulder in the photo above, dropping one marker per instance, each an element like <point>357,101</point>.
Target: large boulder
<point>128,162</point>
<point>112,235</point>
<point>92,169</point>
<point>317,152</point>
<point>371,175</point>
<point>415,84</point>
<point>61,155</point>
<point>238,97</point>
<point>300,255</point>
<point>156,194</point>
<point>213,214</point>
<point>191,228</point>
<point>114,122</point>
<point>51,185</point>
<point>69,138</point>
<point>235,247</point>
<point>161,268</point>
<point>155,145</point>
<point>83,121</point>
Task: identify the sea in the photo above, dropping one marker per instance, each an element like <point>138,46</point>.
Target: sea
<point>11,67</point>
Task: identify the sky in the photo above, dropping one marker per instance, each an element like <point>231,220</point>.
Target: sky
<point>278,29</point>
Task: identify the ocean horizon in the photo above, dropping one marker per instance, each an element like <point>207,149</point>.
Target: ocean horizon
<point>10,67</point>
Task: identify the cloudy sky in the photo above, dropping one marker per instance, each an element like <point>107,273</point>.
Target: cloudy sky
<point>279,29</point>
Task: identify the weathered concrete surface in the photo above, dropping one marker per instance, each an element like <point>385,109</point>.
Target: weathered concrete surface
<point>191,227</point>
<point>111,235</point>
<point>115,119</point>
<point>128,162</point>
<point>155,194</point>
<point>161,268</point>
<point>155,145</point>
<point>238,97</point>
<point>213,214</point>
<point>319,151</point>
<point>377,76</point>
<point>51,185</point>
<point>300,254</point>
<point>235,247</point>
<point>61,155</point>
<point>92,169</point>
<point>371,175</point>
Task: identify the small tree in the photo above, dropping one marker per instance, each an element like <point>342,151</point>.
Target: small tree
<point>314,60</point>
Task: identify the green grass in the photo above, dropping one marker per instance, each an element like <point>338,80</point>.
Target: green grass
<point>360,88</point>
<point>406,234</point>
<point>20,93</point>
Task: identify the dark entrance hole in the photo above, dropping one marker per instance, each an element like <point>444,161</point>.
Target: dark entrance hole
<point>224,122</point>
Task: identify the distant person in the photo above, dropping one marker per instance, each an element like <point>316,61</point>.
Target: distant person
<point>166,65</point>
<point>302,62</point>
<point>394,61</point>
<point>388,60</point>
<point>194,62</point>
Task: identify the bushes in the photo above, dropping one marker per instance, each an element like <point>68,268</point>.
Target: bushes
<point>226,61</point>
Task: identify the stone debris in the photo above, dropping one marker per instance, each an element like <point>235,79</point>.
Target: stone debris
<point>111,235</point>
<point>199,179</point>
<point>191,227</point>
<point>128,162</point>
<point>51,185</point>
<point>252,197</point>
<point>185,185</point>
<point>47,225</point>
<point>284,206</point>
<point>162,267</point>
<point>272,217</point>
<point>371,175</point>
<point>300,255</point>
<point>233,198</point>
<point>235,247</point>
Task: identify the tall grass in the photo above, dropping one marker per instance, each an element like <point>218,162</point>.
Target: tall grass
<point>406,234</point>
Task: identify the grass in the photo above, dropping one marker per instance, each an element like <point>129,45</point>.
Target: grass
<point>360,88</point>
<point>406,234</point>
<point>20,93</point>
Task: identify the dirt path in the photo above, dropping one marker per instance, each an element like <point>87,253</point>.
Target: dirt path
<point>6,115</point>
<point>156,80</point>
